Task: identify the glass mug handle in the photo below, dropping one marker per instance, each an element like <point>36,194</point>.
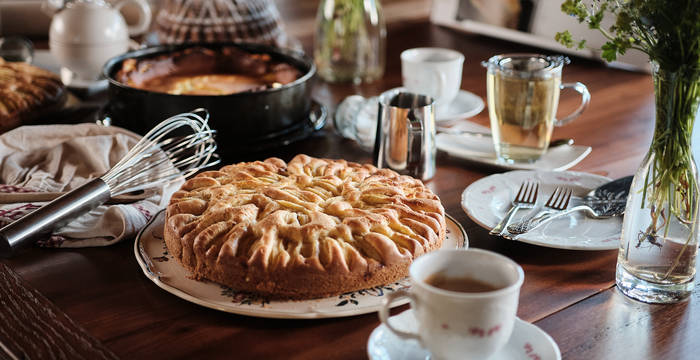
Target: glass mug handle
<point>384,313</point>
<point>585,100</point>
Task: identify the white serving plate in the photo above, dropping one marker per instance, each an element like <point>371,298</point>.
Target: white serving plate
<point>161,268</point>
<point>487,200</point>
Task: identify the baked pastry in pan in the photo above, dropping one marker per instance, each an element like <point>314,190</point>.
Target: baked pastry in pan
<point>304,229</point>
<point>203,71</point>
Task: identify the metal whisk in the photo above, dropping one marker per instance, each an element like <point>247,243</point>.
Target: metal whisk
<point>177,147</point>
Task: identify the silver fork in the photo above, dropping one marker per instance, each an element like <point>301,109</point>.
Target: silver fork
<point>524,199</point>
<point>554,207</point>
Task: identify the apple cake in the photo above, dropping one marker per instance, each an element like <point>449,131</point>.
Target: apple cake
<point>27,92</point>
<point>310,228</point>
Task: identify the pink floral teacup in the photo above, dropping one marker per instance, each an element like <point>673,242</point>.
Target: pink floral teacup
<point>464,301</point>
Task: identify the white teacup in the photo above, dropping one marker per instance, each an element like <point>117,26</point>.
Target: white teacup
<point>435,72</point>
<point>461,324</point>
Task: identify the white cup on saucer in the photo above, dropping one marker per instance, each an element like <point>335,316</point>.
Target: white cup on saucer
<point>472,323</point>
<point>435,72</point>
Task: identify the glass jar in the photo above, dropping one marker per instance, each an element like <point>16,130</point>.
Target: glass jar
<point>659,243</point>
<point>349,45</point>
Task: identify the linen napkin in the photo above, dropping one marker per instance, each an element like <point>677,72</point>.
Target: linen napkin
<point>57,158</point>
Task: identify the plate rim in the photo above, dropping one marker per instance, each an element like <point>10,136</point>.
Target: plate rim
<point>519,322</point>
<point>146,268</point>
<point>529,240</point>
<point>465,115</point>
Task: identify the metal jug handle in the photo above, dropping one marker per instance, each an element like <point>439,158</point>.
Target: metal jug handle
<point>415,141</point>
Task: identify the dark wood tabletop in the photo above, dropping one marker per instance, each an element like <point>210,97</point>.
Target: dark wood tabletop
<point>96,302</point>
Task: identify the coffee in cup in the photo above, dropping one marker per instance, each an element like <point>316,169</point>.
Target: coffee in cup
<point>459,283</point>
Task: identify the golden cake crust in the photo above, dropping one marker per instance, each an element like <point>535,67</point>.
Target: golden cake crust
<point>310,228</point>
<point>27,92</point>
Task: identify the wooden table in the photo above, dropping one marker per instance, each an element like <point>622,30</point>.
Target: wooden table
<point>96,303</point>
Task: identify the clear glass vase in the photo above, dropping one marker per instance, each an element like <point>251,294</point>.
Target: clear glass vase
<point>350,41</point>
<point>659,243</point>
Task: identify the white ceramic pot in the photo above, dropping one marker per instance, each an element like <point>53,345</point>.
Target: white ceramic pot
<point>85,34</point>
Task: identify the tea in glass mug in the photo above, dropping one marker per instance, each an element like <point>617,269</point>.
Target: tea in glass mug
<point>523,96</point>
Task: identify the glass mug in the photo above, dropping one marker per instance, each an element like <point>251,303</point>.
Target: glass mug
<point>523,96</point>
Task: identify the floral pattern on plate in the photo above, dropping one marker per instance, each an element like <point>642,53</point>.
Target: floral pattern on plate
<point>161,268</point>
<point>488,199</point>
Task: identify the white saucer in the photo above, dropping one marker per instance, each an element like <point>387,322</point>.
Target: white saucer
<point>527,342</point>
<point>464,105</point>
<point>480,149</point>
<point>70,79</point>
<point>487,200</point>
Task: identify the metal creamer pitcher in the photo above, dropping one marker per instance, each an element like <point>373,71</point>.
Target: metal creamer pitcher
<point>405,140</point>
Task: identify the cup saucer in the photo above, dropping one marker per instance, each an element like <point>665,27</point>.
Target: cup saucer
<point>527,342</point>
<point>71,80</point>
<point>464,105</point>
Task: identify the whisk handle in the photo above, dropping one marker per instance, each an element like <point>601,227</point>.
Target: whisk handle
<point>53,215</point>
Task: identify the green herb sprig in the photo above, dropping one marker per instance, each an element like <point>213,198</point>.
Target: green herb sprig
<point>668,31</point>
